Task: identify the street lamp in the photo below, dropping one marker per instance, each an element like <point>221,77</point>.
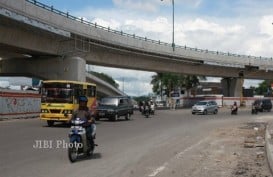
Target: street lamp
<point>173,25</point>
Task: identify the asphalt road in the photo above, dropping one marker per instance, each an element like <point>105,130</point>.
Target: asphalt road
<point>136,148</point>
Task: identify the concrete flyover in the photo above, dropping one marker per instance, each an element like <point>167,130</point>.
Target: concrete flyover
<point>103,88</point>
<point>43,30</point>
<point>38,32</point>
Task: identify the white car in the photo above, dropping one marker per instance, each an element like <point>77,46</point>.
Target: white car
<point>205,107</point>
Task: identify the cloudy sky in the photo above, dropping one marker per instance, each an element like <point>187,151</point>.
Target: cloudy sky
<point>236,26</point>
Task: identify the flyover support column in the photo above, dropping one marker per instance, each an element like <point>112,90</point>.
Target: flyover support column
<point>232,87</point>
<point>60,68</point>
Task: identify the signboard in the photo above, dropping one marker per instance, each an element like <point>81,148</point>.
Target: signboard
<point>175,95</point>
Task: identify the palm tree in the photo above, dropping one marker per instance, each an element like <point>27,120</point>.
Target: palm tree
<point>171,81</point>
<point>157,83</point>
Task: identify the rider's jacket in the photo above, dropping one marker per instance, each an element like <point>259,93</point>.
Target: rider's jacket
<point>83,114</point>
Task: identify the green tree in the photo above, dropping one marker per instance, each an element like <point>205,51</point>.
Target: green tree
<point>264,88</point>
<point>171,81</point>
<point>141,98</point>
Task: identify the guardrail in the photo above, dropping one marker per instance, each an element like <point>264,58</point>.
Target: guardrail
<point>67,15</point>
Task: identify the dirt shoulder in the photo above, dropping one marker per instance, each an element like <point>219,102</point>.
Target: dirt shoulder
<point>227,152</point>
<point>249,151</point>
<point>238,151</point>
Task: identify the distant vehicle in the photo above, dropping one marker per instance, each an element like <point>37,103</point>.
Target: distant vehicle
<point>205,107</point>
<point>147,110</point>
<point>254,109</point>
<point>160,103</point>
<point>234,109</point>
<point>152,105</point>
<point>115,107</point>
<point>262,105</point>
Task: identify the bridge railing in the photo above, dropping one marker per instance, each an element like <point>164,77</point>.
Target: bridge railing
<point>82,20</point>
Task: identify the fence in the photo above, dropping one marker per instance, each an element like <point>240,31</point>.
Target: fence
<point>19,104</point>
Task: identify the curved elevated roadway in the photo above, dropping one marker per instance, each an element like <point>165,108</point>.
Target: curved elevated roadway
<point>103,88</point>
<point>45,31</point>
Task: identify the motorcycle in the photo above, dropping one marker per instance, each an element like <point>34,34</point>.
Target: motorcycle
<point>146,111</point>
<point>234,110</point>
<point>79,144</point>
<point>152,109</point>
<point>141,107</point>
<point>254,109</point>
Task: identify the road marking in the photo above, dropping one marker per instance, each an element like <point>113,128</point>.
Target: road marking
<point>177,156</point>
<point>158,170</point>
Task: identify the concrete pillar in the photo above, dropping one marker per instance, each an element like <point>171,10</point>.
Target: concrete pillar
<point>232,87</point>
<point>66,68</point>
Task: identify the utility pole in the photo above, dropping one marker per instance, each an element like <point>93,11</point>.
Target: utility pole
<point>173,45</point>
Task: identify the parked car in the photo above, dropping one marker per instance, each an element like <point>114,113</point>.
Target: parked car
<point>262,105</point>
<point>115,107</point>
<point>205,107</point>
<point>160,103</point>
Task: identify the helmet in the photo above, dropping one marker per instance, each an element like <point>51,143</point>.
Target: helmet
<point>83,99</point>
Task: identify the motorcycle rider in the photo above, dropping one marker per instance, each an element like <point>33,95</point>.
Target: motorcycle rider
<point>84,114</point>
<point>140,105</point>
<point>152,106</point>
<point>147,107</point>
<point>254,109</point>
<point>234,108</point>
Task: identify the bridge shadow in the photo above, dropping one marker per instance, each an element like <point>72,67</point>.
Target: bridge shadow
<point>94,156</point>
<point>63,125</point>
<point>119,120</point>
<point>58,125</point>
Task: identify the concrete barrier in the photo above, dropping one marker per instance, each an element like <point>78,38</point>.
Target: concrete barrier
<point>19,104</point>
<point>190,101</point>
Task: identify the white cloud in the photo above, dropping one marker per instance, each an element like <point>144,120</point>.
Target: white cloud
<point>137,88</point>
<point>200,24</point>
<point>143,5</point>
<point>190,3</point>
<point>248,83</point>
<point>158,25</point>
<point>113,24</point>
<point>197,3</point>
<point>134,83</point>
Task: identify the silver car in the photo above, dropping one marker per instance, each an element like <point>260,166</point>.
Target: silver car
<point>205,107</point>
